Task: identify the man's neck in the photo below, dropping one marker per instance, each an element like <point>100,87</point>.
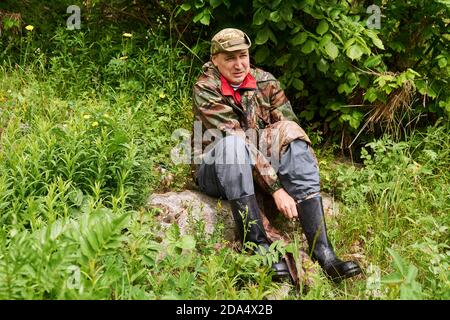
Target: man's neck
<point>235,86</point>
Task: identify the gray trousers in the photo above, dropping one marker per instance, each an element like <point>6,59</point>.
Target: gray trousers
<point>226,170</point>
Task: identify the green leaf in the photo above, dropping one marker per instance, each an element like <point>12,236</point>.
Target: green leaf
<point>412,273</point>
<point>187,242</point>
<point>352,78</point>
<point>425,89</point>
<point>406,293</point>
<point>261,54</point>
<point>397,46</point>
<point>149,260</point>
<point>86,249</point>
<point>281,25</point>
<point>394,278</point>
<point>76,196</point>
<point>348,43</point>
<point>371,95</point>
<point>298,84</point>
<point>186,6</point>
<point>334,13</point>
<point>372,61</point>
<point>275,16</point>
<point>260,16</point>
<point>299,38</point>
<point>309,47</point>
<point>93,241</point>
<point>199,4</point>
<point>363,81</point>
<point>332,50</point>
<point>442,62</point>
<point>272,36</point>
<point>376,41</point>
<point>355,119</point>
<point>335,106</point>
<point>344,87</point>
<point>286,13</point>
<point>325,39</point>
<point>215,3</point>
<point>262,36</point>
<point>205,18</point>
<point>307,114</point>
<point>322,28</point>
<point>399,263</point>
<point>322,65</point>
<point>275,3</point>
<point>354,52</point>
<point>283,59</point>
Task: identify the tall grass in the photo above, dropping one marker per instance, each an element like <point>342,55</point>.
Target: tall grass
<point>82,142</point>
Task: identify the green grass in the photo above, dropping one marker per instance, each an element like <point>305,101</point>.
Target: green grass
<point>83,141</point>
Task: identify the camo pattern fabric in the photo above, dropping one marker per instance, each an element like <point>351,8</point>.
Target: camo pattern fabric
<point>265,110</point>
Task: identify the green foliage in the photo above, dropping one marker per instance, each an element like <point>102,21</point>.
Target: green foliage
<point>86,119</point>
<point>336,69</point>
<point>404,277</point>
<point>81,154</point>
<point>40,264</point>
<point>396,206</point>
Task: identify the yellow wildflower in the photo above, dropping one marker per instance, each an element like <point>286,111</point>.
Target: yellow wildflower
<point>162,95</point>
<point>128,35</point>
<point>87,116</point>
<point>106,115</point>
<point>94,124</point>
<point>29,27</point>
<point>123,58</point>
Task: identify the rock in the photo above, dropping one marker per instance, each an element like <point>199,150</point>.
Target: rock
<point>189,207</point>
<point>330,206</point>
<point>183,207</point>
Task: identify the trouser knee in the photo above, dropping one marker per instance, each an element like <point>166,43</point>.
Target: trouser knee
<point>229,165</point>
<point>232,150</point>
<point>299,172</point>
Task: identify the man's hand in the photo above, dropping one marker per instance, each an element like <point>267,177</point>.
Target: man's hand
<point>285,203</point>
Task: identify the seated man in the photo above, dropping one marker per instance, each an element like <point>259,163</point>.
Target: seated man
<point>233,99</point>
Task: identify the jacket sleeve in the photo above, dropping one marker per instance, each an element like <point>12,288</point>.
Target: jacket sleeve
<point>281,108</point>
<point>210,107</point>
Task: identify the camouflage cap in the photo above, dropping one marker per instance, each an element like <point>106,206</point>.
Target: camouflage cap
<point>229,39</point>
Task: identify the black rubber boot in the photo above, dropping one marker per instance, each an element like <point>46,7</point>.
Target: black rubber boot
<point>254,230</point>
<point>312,220</point>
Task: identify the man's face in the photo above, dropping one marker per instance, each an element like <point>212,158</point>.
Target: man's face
<point>234,65</point>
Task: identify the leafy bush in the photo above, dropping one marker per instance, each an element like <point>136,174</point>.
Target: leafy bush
<point>343,74</point>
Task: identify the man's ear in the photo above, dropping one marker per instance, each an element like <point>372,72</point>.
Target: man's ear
<point>213,58</point>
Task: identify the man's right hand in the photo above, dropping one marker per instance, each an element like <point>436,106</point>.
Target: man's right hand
<point>285,203</point>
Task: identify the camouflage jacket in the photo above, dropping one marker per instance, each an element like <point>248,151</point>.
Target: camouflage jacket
<point>259,104</point>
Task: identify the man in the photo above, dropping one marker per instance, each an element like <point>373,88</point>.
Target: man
<point>232,99</point>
